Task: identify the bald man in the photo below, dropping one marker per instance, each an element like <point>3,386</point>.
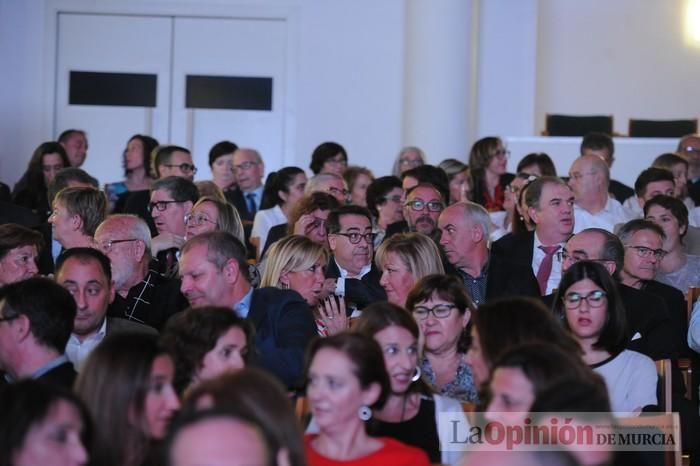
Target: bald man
<point>589,178</point>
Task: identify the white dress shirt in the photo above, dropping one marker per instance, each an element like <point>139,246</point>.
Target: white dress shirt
<point>77,351</point>
<point>538,256</point>
<point>612,214</point>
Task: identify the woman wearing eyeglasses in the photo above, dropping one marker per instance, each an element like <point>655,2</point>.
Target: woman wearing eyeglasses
<point>210,214</point>
<point>408,158</point>
<point>676,268</point>
<point>591,309</point>
<point>442,309</point>
<point>487,161</point>
<point>405,258</point>
<point>385,202</point>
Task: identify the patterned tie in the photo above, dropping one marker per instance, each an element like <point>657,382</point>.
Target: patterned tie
<point>546,267</point>
<point>252,207</point>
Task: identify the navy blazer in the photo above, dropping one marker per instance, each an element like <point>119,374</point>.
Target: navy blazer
<point>284,326</point>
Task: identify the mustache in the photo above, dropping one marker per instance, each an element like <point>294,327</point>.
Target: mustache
<point>426,218</point>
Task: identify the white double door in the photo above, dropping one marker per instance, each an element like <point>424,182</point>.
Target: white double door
<point>172,48</point>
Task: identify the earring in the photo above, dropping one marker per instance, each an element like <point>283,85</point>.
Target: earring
<point>416,376</point>
<point>284,286</point>
<point>365,413</point>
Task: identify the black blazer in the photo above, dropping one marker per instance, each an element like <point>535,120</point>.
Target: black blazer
<point>515,248</point>
<point>509,279</point>
<point>620,191</point>
<point>361,292</point>
<point>284,327</point>
<point>677,312</point>
<point>62,376</point>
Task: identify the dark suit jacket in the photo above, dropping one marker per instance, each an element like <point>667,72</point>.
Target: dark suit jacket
<point>361,292</point>
<point>516,248</point>
<point>677,311</point>
<point>60,376</point>
<point>276,233</point>
<point>284,326</point>
<point>118,325</point>
<point>509,279</point>
<point>620,191</point>
<point>12,213</point>
<point>236,198</point>
<point>46,263</point>
<point>694,191</point>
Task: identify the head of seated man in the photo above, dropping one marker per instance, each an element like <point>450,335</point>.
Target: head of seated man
<point>329,183</point>
<point>75,143</point>
<point>652,182</point>
<point>248,168</point>
<point>550,206</point>
<point>643,242</point>
<point>423,205</point>
<point>594,244</point>
<point>350,238</point>
<point>589,178</point>
<point>213,270</point>
<point>126,240</point>
<point>36,320</point>
<point>170,160</point>
<point>76,214</point>
<point>19,251</point>
<point>600,145</point>
<point>171,199</point>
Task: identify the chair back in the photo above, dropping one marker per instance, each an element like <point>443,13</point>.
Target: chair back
<point>575,125</point>
<point>661,128</point>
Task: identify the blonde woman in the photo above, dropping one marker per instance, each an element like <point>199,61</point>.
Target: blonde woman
<point>298,263</point>
<point>405,258</point>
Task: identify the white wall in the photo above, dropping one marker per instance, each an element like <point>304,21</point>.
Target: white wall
<point>628,58</point>
<point>625,57</point>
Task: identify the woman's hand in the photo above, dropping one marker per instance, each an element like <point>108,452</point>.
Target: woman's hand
<point>332,313</point>
<point>303,224</point>
<point>166,241</point>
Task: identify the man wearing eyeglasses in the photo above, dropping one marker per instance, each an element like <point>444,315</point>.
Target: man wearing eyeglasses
<point>171,199</point>
<point>550,206</point>
<point>589,179</point>
<point>689,148</point>
<point>36,320</point>
<point>168,160</point>
<point>142,294</point>
<point>351,271</point>
<point>329,183</point>
<point>465,234</point>
<point>643,241</point>
<point>648,320</point>
<point>248,169</point>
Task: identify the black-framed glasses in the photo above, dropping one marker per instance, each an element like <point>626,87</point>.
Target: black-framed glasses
<point>418,205</point>
<point>355,238</point>
<point>564,255</point>
<point>645,252</point>
<point>8,319</point>
<point>106,246</point>
<point>440,311</point>
<point>595,298</point>
<point>197,219</point>
<point>184,167</point>
<point>247,165</point>
<point>160,206</point>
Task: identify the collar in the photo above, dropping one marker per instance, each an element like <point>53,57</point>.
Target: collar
<point>100,334</point>
<point>242,307</point>
<point>539,243</point>
<point>49,366</point>
<point>257,191</point>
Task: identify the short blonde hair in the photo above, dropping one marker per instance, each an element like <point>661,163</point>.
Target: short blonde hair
<point>293,253</point>
<point>418,252</point>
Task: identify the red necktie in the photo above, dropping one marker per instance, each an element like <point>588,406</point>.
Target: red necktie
<point>546,267</point>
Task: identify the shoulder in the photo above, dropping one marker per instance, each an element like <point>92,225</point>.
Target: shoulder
<point>117,325</point>
<point>401,454</point>
<point>271,294</point>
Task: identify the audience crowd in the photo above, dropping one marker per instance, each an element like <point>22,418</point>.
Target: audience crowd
<point>336,319</point>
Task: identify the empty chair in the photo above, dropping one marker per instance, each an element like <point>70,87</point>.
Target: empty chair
<point>577,125</point>
<point>662,128</point>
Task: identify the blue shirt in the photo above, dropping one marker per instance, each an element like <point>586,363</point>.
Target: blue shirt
<point>243,306</point>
